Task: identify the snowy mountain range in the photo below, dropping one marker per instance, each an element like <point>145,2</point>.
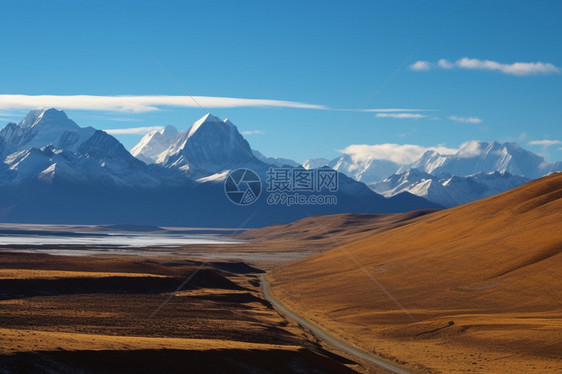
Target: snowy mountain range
<point>54,171</point>
<point>47,145</point>
<point>481,157</point>
<point>475,171</point>
<point>448,190</point>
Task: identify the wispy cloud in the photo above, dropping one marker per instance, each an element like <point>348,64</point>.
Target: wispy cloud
<point>421,66</point>
<point>545,142</point>
<point>133,130</point>
<point>252,132</point>
<point>400,115</point>
<point>516,68</point>
<point>389,110</point>
<point>399,153</point>
<point>144,104</point>
<point>139,104</point>
<point>465,119</point>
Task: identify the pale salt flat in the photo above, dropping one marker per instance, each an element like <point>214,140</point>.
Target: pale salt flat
<point>114,240</point>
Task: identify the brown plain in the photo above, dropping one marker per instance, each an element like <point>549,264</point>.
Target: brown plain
<point>91,314</point>
<point>476,288</point>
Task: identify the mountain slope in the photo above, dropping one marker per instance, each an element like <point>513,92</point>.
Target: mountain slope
<point>315,163</point>
<point>324,229</point>
<point>469,284</point>
<point>366,171</point>
<point>44,127</point>
<point>48,147</point>
<point>154,143</point>
<point>54,171</point>
<point>477,170</point>
<point>275,161</point>
<point>207,147</point>
<point>482,157</point>
<point>447,190</point>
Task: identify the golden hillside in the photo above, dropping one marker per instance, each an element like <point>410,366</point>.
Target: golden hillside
<point>476,286</point>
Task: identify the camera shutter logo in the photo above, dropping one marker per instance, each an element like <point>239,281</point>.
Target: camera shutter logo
<point>242,186</point>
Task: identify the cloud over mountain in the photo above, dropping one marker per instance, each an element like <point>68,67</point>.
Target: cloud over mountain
<point>397,153</point>
<point>139,104</point>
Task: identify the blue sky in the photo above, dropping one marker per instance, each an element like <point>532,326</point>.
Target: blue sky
<point>499,77</point>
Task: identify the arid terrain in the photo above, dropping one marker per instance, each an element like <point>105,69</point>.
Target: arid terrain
<point>476,288</point>
<point>115,314</point>
<point>469,289</point>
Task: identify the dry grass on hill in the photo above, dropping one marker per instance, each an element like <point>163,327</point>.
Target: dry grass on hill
<point>480,285</point>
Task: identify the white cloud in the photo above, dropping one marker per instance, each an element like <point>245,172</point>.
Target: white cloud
<point>420,66</point>
<point>133,130</point>
<point>465,119</point>
<point>138,104</point>
<point>470,149</point>
<point>252,132</point>
<point>398,153</point>
<point>385,110</point>
<point>516,68</point>
<point>400,115</point>
<point>143,104</point>
<point>444,64</point>
<point>545,142</point>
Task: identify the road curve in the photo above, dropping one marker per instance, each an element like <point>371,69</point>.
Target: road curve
<point>325,336</point>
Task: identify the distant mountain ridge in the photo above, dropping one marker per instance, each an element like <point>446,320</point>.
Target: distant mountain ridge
<point>54,171</point>
<point>477,170</point>
<point>448,190</point>
<point>484,157</point>
<point>44,127</point>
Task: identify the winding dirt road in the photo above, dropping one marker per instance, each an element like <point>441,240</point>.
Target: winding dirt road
<point>323,335</point>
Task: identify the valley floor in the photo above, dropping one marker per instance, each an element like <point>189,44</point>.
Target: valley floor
<point>115,314</point>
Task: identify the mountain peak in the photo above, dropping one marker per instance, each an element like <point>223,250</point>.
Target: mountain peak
<point>40,116</point>
<point>154,143</point>
<point>204,121</point>
<point>210,144</point>
<point>169,130</point>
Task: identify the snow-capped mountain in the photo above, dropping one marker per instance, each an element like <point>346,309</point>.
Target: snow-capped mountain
<point>476,170</point>
<point>44,127</point>
<point>209,146</point>
<point>366,171</point>
<point>315,163</point>
<point>154,146</point>
<point>484,157</point>
<point>428,162</point>
<point>447,190</point>
<point>54,171</point>
<point>47,146</point>
<point>154,143</point>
